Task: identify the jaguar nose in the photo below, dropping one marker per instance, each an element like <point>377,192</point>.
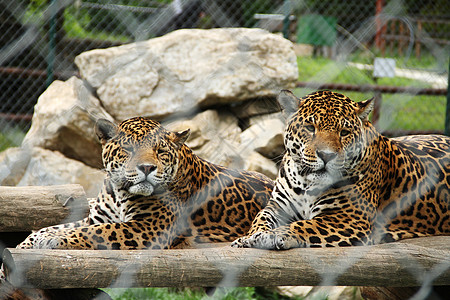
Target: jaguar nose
<point>326,156</point>
<point>146,168</point>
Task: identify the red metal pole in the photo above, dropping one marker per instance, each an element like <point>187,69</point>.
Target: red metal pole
<point>379,24</point>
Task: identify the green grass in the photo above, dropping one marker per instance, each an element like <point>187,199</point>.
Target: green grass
<point>196,294</point>
<point>412,113</point>
<point>325,70</point>
<point>427,61</point>
<point>399,112</point>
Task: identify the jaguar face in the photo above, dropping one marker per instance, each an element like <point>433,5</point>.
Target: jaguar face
<point>325,136</point>
<point>139,155</point>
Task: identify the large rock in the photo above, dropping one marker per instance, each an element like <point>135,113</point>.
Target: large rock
<point>189,68</point>
<point>13,163</point>
<point>265,136</point>
<point>256,107</point>
<point>64,119</point>
<point>217,138</point>
<point>256,162</point>
<point>37,166</point>
<point>321,292</point>
<point>214,137</point>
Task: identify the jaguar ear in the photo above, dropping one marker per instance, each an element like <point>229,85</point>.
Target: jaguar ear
<point>289,103</point>
<point>364,109</point>
<point>181,137</point>
<point>105,130</point>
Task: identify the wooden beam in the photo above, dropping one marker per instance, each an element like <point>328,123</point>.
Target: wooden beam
<point>29,208</point>
<point>408,263</point>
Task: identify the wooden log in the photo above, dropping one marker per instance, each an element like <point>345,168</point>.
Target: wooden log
<point>33,207</point>
<point>408,263</point>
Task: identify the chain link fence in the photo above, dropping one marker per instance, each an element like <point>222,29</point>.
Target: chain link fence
<point>337,42</point>
<point>397,51</point>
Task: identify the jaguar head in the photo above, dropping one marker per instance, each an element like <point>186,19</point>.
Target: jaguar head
<point>324,138</point>
<point>139,155</point>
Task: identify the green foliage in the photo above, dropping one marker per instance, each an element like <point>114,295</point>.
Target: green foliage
<point>78,24</point>
<point>10,137</point>
<point>34,12</point>
<point>5,143</point>
<point>194,294</point>
<point>37,5</point>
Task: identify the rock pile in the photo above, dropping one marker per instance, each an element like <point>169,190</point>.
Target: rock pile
<point>220,83</point>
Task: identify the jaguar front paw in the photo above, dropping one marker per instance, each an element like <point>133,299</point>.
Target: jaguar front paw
<point>242,242</point>
<point>43,241</point>
<point>52,242</point>
<point>270,239</point>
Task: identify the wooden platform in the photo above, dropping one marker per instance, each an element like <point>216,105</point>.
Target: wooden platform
<point>414,262</point>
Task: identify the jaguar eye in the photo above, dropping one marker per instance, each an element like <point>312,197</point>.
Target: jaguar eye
<point>310,128</point>
<point>345,132</point>
<point>128,148</point>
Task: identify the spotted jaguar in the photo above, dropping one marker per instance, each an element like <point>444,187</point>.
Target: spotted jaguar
<point>158,194</point>
<point>341,183</point>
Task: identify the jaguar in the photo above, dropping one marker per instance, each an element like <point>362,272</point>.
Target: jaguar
<point>158,194</point>
<point>342,183</point>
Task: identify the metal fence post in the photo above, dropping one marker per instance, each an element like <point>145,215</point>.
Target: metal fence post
<point>447,112</point>
<point>286,21</point>
<point>51,43</point>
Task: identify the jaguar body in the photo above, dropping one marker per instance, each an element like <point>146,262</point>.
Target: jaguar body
<point>158,194</point>
<point>342,183</point>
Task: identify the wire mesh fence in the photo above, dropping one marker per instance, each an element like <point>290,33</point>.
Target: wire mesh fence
<point>397,51</point>
<point>336,43</point>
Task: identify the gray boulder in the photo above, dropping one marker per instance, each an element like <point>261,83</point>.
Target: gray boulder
<point>64,119</point>
<point>189,68</point>
<point>37,166</point>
